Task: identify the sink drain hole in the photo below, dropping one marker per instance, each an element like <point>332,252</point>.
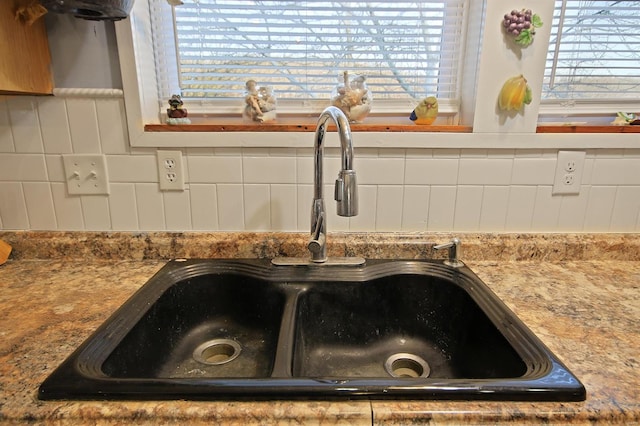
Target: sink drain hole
<point>404,365</point>
<point>217,352</point>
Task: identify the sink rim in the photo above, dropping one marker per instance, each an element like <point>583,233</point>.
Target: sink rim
<point>80,375</point>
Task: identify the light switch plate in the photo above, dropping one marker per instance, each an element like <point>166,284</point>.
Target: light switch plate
<point>86,174</point>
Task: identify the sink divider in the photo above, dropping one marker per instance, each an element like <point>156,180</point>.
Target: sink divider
<point>284,354</point>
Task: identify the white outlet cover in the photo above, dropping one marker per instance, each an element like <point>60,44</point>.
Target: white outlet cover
<point>568,173</point>
<point>170,171</point>
<point>86,174</point>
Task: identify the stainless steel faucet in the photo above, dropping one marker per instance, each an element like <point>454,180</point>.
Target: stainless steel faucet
<point>346,190</point>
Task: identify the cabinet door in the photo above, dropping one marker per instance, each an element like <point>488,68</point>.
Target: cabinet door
<point>25,61</point>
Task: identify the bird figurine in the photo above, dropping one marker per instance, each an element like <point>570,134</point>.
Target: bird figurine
<point>426,111</point>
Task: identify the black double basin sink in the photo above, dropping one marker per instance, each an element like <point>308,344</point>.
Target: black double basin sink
<point>228,329</point>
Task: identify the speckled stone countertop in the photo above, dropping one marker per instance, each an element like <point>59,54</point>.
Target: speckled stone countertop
<point>580,294</point>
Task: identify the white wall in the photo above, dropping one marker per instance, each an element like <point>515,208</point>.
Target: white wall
<point>270,189</point>
<point>83,53</point>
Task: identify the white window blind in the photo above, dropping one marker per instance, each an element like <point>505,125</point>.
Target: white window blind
<point>407,50</point>
<point>594,52</point>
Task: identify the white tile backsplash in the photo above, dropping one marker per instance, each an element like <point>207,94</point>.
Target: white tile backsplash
<point>39,204</point>
<point>573,210</point>
<point>54,125</point>
<point>113,132</point>
<point>6,135</point>
<point>468,208</point>
<point>83,124</point>
<point>23,167</point>
<point>495,201</point>
<point>268,169</point>
<point>431,171</point>
<point>625,214</point>
<point>257,207</point>
<point>229,189</point>
<point>304,195</point>
<point>122,206</point>
<point>485,171</point>
<point>618,171</point>
<point>388,207</point>
<point>55,168</point>
<point>442,208</point>
<point>12,206</point>
<point>283,207</point>
<point>132,168</point>
<point>177,211</point>
<point>223,169</point>
<point>25,127</point>
<point>415,207</point>
<point>95,210</point>
<point>546,210</point>
<point>533,171</point>
<point>204,207</point>
<point>231,207</point>
<point>150,207</point>
<point>366,218</point>
<point>68,209</point>
<point>380,171</point>
<point>520,209</point>
<point>599,208</point>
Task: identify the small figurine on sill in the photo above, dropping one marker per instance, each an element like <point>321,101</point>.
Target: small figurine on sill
<point>176,113</point>
<point>352,96</point>
<point>426,111</point>
<point>624,119</point>
<point>260,103</point>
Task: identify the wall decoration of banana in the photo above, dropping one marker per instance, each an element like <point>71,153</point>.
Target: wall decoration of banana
<point>519,26</point>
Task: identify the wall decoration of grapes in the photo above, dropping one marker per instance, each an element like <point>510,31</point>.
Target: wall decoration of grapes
<point>521,25</point>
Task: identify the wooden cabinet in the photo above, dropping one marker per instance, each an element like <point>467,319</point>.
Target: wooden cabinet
<point>25,61</point>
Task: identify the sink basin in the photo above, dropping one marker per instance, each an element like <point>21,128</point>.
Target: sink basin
<point>194,326</point>
<point>211,329</point>
<point>350,330</point>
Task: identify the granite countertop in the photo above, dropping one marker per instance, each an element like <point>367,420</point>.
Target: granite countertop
<point>574,292</point>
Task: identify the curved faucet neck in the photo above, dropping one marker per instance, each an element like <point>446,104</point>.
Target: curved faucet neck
<point>346,145</point>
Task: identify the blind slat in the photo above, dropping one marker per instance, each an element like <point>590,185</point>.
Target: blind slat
<point>597,53</point>
<point>406,49</point>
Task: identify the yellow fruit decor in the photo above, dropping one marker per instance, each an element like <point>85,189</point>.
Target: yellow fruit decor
<point>515,93</point>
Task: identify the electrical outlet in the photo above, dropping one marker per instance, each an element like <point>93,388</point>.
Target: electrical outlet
<point>568,172</point>
<point>170,172</point>
<point>86,174</point>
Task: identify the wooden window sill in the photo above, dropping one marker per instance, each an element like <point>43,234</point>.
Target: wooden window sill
<point>300,124</point>
<point>372,124</point>
<point>588,129</point>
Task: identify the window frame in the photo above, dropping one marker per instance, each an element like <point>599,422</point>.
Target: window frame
<point>141,101</point>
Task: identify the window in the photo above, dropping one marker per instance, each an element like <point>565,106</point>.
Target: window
<point>430,47</point>
<point>594,52</point>
<point>208,49</point>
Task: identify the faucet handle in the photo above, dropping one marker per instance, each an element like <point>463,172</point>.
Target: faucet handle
<point>317,243</point>
<point>454,252</point>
